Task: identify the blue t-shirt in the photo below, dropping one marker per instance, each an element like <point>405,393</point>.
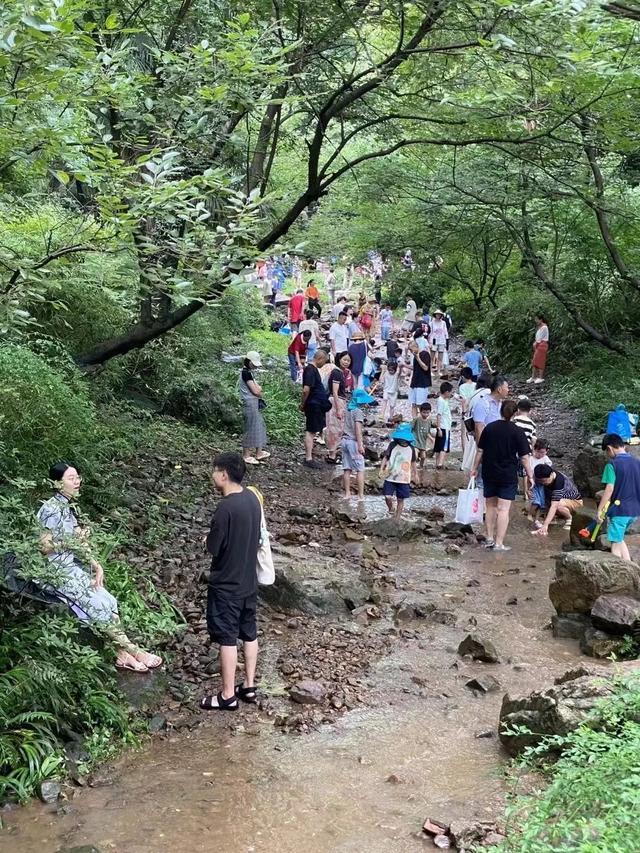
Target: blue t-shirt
<point>473,359</point>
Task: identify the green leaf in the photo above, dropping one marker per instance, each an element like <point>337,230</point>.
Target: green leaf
<point>36,23</point>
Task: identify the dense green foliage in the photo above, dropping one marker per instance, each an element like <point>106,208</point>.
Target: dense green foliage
<point>591,801</point>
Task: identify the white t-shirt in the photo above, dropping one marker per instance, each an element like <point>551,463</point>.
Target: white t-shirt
<point>312,326</point>
<point>542,334</point>
<point>330,281</point>
<point>444,410</point>
<point>337,308</point>
<point>339,335</point>
<point>466,392</point>
<point>410,312</point>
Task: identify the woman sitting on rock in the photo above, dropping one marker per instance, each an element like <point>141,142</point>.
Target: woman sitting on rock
<point>77,577</point>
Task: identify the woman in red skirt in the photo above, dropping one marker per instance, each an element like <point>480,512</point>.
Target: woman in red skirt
<point>540,349</point>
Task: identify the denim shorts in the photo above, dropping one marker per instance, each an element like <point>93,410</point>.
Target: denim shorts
<point>351,459</point>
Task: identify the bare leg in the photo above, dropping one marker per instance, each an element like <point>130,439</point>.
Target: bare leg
<point>228,663</point>
<point>250,660</point>
<point>360,482</point>
<point>346,481</point>
<point>620,549</point>
<point>389,502</point>
<point>502,520</point>
<point>308,446</point>
<point>491,517</point>
<point>399,507</point>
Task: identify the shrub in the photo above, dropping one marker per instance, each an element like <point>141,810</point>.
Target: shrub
<point>207,399</point>
<point>591,803</point>
<point>42,417</point>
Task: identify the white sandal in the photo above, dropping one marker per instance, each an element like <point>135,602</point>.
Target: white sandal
<point>250,460</point>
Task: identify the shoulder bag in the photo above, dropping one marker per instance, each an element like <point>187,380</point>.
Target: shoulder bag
<point>265,569</point>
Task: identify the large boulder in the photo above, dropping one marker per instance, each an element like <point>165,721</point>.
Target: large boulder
<point>314,584</point>
<point>599,644</point>
<point>588,466</point>
<point>616,614</point>
<point>583,576</point>
<point>395,528</point>
<point>556,711</point>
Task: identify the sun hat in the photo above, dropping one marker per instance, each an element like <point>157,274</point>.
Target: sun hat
<point>360,398</point>
<point>254,357</point>
<point>438,311</point>
<point>403,433</point>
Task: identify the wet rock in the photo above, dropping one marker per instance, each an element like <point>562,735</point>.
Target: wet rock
<point>479,649</point>
<point>308,692</point>
<point>588,466</point>
<point>583,576</point>
<point>435,513</point>
<point>486,733</point>
<point>598,644</point>
<point>453,550</point>
<point>393,779</point>
<point>301,512</point>
<point>454,528</point>
<point>616,614</point>
<point>483,684</point>
<point>49,791</point>
<point>513,599</point>
<point>442,842</point>
<point>352,535</point>
<point>556,711</point>
<point>467,836</point>
<point>391,528</point>
<point>157,723</point>
<point>569,626</point>
<point>435,827</point>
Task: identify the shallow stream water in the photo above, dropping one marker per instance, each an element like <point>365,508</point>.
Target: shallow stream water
<point>256,789</point>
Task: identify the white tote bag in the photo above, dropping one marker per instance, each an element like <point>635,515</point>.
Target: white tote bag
<point>265,569</point>
<point>469,455</point>
<point>445,358</point>
<point>470,508</point>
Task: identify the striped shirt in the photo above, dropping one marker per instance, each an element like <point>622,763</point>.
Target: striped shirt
<point>528,426</point>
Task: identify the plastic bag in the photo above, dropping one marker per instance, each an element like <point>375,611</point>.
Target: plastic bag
<point>445,359</point>
<point>470,508</point>
<point>618,422</point>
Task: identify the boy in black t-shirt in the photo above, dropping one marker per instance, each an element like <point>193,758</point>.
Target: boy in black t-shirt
<point>233,543</point>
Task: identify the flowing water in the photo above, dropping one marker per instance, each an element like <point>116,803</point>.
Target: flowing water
<point>365,783</point>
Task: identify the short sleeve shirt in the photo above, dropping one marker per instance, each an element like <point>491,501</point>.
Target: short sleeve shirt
<point>400,459</point>
<point>562,488</point>
<point>609,475</point>
<point>487,411</point>
<point>297,345</point>
<point>503,444</point>
<point>444,410</point>
<point>57,516</point>
<point>349,424</point>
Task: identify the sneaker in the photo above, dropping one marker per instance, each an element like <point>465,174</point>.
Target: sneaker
<point>501,548</point>
<point>489,544</point>
<point>331,461</point>
<point>566,525</point>
<point>538,381</point>
<point>311,463</point>
<point>530,380</point>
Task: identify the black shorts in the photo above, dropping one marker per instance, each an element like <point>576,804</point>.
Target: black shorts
<point>231,619</point>
<point>442,442</point>
<point>316,420</point>
<point>503,491</point>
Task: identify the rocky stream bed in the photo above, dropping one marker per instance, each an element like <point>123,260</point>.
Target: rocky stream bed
<point>387,654</point>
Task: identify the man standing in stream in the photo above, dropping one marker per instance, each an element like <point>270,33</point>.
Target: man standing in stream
<point>233,543</point>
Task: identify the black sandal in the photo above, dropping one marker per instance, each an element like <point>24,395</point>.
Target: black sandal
<point>247,694</point>
<point>230,704</point>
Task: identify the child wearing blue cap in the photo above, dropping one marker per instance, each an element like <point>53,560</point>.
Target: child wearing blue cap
<point>398,468</point>
<point>353,441</point>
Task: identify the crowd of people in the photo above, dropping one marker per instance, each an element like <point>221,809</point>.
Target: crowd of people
<point>348,379</point>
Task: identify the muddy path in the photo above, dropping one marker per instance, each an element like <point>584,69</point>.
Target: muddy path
<point>396,733</point>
